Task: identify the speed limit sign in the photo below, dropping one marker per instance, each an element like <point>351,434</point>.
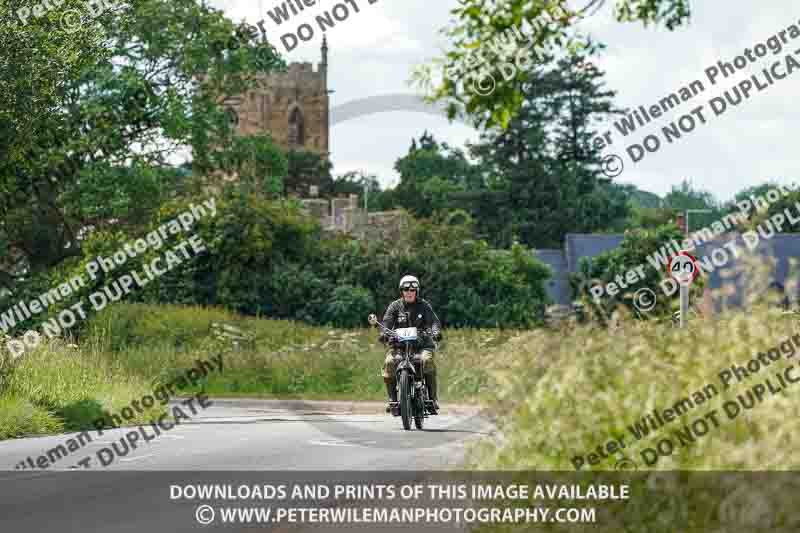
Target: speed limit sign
<point>683,268</point>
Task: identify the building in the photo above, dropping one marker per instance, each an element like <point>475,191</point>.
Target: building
<point>775,255</point>
<point>292,106</point>
<point>565,262</point>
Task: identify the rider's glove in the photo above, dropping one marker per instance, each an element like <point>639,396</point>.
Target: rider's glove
<point>382,338</point>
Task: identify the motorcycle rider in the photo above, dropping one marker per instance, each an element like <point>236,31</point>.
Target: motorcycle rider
<point>406,312</point>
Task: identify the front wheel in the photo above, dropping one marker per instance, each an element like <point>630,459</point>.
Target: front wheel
<point>405,399</point>
<point>420,414</point>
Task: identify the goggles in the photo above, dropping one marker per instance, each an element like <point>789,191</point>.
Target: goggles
<point>409,286</point>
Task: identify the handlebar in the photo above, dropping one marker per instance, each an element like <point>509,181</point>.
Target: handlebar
<point>392,334</point>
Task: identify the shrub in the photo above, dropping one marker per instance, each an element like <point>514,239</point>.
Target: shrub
<point>266,258</point>
<point>348,306</point>
<point>632,252</point>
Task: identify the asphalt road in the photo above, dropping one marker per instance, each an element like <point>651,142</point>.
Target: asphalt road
<point>131,492</point>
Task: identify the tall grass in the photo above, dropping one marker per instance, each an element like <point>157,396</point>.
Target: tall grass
<point>561,394</point>
<point>126,351</point>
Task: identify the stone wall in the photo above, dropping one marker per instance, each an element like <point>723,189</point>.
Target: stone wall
<point>344,215</point>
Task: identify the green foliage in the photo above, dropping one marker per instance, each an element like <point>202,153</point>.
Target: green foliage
<point>128,350</point>
<point>560,396</point>
<point>429,175</point>
<point>468,283</point>
<point>477,25</point>
<point>652,217</point>
<point>756,217</point>
<point>347,306</point>
<point>20,418</point>
<point>265,257</point>
<point>119,99</point>
<point>257,162</point>
<point>632,252</point>
<point>685,197</point>
<point>641,198</point>
<point>545,171</point>
<point>73,385</point>
<point>306,168</point>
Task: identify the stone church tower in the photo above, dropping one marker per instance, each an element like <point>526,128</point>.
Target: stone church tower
<point>293,107</point>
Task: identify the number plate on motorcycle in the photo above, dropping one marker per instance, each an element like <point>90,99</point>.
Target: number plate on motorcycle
<point>407,334</point>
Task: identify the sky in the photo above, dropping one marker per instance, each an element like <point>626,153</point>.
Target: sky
<point>373,52</point>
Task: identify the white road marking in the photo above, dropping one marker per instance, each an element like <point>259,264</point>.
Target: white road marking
<point>136,458</point>
<point>333,442</point>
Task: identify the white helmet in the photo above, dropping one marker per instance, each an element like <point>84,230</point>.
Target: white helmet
<point>409,281</point>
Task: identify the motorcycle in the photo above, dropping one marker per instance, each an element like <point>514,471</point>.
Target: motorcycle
<point>412,390</point>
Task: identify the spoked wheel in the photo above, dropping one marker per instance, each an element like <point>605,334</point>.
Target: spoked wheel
<point>420,414</point>
<point>405,399</point>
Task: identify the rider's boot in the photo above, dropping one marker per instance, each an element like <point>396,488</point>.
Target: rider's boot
<point>391,390</point>
<point>430,379</point>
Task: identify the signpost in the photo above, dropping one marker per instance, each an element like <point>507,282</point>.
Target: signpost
<point>683,269</point>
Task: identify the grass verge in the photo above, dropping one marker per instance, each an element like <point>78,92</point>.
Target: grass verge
<point>129,350</point>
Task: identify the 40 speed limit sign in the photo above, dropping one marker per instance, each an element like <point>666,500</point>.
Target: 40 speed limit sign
<point>683,268</point>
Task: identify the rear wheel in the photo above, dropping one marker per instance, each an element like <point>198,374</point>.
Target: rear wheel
<point>405,399</point>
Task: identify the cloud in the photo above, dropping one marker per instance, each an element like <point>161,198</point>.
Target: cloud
<point>374,51</point>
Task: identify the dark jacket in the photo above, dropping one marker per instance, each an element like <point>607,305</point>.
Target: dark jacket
<point>418,315</point>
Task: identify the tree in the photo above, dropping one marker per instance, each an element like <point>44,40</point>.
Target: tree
<point>748,193</point>
<point>257,164</point>
<point>430,173</point>
<point>685,197</point>
<point>481,25</point>
<point>545,172</point>
<point>614,265</point>
<point>113,120</point>
<point>307,168</point>
<point>756,217</point>
<point>357,182</point>
<point>639,197</point>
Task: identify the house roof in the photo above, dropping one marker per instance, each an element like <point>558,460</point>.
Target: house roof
<point>579,245</point>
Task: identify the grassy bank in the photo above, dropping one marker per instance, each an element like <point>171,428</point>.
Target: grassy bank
<point>563,395</point>
<point>128,351</point>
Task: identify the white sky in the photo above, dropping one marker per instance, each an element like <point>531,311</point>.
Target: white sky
<point>373,52</point>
